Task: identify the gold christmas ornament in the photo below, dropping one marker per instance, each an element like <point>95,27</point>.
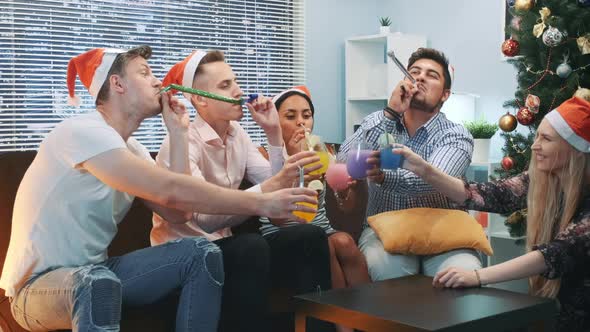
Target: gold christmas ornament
<point>540,26</point>
<point>507,122</point>
<point>584,43</point>
<point>524,5</point>
<point>583,93</point>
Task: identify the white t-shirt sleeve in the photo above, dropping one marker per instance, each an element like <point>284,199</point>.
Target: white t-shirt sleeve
<point>81,140</point>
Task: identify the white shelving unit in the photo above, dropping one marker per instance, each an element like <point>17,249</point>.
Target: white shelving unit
<point>371,75</point>
<point>504,245</point>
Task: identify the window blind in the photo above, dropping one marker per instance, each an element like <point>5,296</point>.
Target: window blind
<point>263,41</point>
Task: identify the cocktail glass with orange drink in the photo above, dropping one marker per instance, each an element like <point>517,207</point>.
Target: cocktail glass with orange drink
<point>307,216</point>
<point>314,143</point>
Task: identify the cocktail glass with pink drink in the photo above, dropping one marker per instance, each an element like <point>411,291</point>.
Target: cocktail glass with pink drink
<point>337,176</point>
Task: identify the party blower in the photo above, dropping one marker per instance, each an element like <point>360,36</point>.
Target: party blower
<point>401,67</point>
<point>243,101</point>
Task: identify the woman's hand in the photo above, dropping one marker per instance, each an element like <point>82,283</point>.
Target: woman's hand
<point>412,161</point>
<point>453,277</point>
<point>293,145</point>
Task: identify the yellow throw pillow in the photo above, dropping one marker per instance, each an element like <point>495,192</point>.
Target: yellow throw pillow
<point>426,231</point>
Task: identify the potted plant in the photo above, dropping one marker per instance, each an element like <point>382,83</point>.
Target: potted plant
<point>482,131</point>
<point>385,23</point>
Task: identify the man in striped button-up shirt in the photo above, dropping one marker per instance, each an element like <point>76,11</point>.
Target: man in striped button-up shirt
<point>413,111</point>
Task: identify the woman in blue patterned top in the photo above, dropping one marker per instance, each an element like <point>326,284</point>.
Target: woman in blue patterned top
<point>557,190</point>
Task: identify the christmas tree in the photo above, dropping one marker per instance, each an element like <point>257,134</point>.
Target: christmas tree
<point>550,48</point>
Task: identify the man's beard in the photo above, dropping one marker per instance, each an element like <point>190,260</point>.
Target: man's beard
<point>421,105</point>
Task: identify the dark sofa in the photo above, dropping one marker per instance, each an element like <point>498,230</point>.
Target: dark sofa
<point>134,234</point>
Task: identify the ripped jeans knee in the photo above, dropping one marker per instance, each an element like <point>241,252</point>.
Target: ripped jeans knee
<point>209,256</point>
<point>86,298</point>
<point>100,290</point>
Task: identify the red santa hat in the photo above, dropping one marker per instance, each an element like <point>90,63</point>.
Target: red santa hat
<point>92,67</point>
<point>571,120</point>
<point>452,73</point>
<point>300,89</point>
<point>183,72</point>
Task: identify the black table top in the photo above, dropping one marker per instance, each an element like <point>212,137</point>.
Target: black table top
<point>413,302</point>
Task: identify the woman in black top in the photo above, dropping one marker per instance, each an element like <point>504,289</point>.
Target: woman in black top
<point>556,190</point>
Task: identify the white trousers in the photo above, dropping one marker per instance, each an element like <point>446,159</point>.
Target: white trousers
<point>383,265</point>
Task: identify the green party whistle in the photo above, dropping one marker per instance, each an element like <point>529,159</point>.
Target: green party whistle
<point>206,94</point>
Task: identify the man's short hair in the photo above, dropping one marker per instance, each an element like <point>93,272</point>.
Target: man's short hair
<point>118,68</point>
<point>210,57</point>
<point>436,56</point>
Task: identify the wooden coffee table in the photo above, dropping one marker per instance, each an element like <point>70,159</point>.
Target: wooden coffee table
<point>412,304</point>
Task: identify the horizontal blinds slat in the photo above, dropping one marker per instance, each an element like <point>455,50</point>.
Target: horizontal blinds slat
<point>281,37</point>
<point>239,63</point>
<point>263,41</point>
<point>219,17</point>
<point>169,4</point>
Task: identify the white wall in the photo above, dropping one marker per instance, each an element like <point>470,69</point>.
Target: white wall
<point>328,23</point>
<point>469,32</point>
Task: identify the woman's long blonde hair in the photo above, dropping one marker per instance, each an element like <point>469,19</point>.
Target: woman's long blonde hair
<point>552,203</point>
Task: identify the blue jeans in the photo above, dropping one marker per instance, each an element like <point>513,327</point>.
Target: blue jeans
<point>89,298</point>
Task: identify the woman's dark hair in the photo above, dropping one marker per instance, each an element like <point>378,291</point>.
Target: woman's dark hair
<point>288,94</point>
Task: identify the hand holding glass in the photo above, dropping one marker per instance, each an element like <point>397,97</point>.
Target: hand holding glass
<point>337,176</point>
<point>314,143</point>
<point>390,160</point>
<point>356,162</point>
<point>307,216</point>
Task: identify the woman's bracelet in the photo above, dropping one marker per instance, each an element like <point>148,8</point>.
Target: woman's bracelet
<point>478,278</point>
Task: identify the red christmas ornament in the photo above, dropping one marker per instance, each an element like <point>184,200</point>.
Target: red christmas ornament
<point>525,117</point>
<point>510,47</point>
<point>507,163</point>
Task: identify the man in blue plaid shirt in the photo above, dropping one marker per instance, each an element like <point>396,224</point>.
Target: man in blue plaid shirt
<point>413,111</point>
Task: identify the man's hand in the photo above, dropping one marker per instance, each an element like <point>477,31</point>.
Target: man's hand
<point>401,96</point>
<point>375,173</point>
<point>281,204</point>
<point>174,113</point>
<point>289,174</point>
<point>265,114</point>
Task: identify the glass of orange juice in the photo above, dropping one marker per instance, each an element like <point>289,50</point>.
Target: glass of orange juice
<point>307,216</point>
<point>314,143</point>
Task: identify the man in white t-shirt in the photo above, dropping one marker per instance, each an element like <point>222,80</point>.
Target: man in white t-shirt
<point>81,184</point>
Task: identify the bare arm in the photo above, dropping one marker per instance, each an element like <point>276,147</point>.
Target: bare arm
<point>447,185</point>
<point>527,265</point>
<point>177,122</point>
<point>125,172</point>
<point>523,266</point>
<point>503,196</point>
<point>211,223</point>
